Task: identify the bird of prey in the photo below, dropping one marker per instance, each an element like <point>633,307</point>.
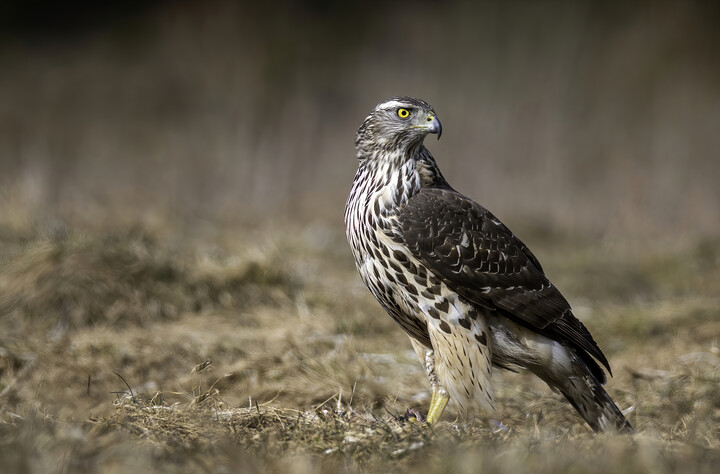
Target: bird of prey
<point>467,291</point>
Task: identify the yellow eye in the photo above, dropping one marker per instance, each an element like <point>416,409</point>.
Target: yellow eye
<point>403,113</point>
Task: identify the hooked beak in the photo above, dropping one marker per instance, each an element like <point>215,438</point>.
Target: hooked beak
<point>434,126</point>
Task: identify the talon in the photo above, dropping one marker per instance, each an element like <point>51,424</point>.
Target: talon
<point>413,416</point>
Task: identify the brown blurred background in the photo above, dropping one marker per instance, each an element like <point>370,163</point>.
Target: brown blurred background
<point>596,118</point>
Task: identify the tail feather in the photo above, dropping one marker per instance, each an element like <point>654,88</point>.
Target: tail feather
<point>565,368</point>
<point>596,407</point>
<point>587,395</point>
<point>570,375</point>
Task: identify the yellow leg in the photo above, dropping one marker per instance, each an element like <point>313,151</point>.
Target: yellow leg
<point>438,402</point>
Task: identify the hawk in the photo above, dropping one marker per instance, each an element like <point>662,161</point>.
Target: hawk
<point>467,291</point>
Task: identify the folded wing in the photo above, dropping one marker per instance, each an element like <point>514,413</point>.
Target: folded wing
<point>479,258</point>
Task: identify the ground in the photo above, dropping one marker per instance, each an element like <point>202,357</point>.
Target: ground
<point>222,348</point>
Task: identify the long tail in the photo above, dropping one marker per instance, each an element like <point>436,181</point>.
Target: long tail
<point>586,394</point>
<point>594,404</point>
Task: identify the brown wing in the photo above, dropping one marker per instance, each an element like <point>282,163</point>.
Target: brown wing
<point>480,259</point>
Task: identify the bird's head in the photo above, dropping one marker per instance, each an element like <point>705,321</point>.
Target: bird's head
<point>397,124</point>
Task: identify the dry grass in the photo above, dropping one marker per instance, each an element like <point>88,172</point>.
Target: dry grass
<point>243,352</point>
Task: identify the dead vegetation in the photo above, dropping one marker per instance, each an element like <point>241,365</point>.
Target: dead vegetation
<point>135,348</point>
<point>122,279</point>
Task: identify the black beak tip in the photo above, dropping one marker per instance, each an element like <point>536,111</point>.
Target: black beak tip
<point>436,127</point>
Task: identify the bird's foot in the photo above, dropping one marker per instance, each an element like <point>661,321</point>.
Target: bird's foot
<point>438,402</point>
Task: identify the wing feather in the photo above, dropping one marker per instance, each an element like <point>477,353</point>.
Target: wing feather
<point>478,257</point>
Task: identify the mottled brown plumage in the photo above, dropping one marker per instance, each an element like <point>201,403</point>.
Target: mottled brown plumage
<point>468,292</point>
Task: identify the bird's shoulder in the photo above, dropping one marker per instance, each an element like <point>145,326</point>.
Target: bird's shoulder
<point>444,224</point>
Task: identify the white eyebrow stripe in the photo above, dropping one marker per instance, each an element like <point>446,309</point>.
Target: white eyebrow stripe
<point>391,104</point>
